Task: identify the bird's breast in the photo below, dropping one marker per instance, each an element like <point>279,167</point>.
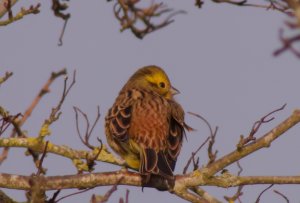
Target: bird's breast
<point>149,123</point>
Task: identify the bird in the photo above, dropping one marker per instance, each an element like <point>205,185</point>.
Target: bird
<point>145,125</point>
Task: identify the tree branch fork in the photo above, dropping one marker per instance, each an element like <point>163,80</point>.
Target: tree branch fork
<point>186,186</point>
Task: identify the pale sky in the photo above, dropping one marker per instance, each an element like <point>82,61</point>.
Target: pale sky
<point>219,57</point>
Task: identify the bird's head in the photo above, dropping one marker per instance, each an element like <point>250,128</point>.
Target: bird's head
<point>153,78</point>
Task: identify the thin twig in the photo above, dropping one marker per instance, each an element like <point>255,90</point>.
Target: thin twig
<point>60,40</point>
<point>106,196</point>
<point>193,155</point>
<point>287,44</point>
<point>55,195</point>
<point>5,77</point>
<point>72,194</point>
<point>23,12</point>
<point>244,141</point>
<point>129,16</point>
<point>126,198</point>
<point>236,196</point>
<point>282,195</point>
<point>88,131</point>
<point>29,110</point>
<point>211,155</point>
<point>259,196</point>
<point>40,165</point>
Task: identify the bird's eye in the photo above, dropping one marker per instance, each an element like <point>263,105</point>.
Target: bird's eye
<point>162,84</point>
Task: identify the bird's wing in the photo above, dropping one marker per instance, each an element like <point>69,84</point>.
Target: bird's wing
<point>119,115</point>
<point>176,132</point>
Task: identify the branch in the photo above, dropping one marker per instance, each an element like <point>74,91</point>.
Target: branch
<point>129,16</point>
<point>5,77</point>
<point>39,146</point>
<point>45,89</point>
<point>282,195</point>
<point>259,196</point>
<point>3,8</point>
<point>23,12</point>
<point>5,198</point>
<point>198,177</point>
<point>244,141</point>
<point>103,199</point>
<point>124,177</point>
<point>264,141</point>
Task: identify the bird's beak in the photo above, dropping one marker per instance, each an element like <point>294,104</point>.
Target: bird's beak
<point>174,91</point>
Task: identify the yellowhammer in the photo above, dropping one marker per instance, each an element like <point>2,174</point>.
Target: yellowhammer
<point>145,126</point>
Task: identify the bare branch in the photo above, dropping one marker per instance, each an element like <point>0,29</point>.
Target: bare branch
<point>244,141</point>
<point>72,194</point>
<point>29,110</point>
<point>41,170</point>
<point>8,120</point>
<point>126,198</point>
<point>5,198</point>
<point>264,141</point>
<point>3,9</point>
<point>287,44</point>
<point>5,77</point>
<point>236,196</point>
<point>58,9</point>
<point>103,199</point>
<point>88,131</point>
<point>129,15</point>
<point>23,12</point>
<point>53,198</point>
<point>38,145</point>
<point>259,196</point>
<point>60,40</point>
<point>55,113</point>
<point>282,195</point>
<point>240,168</point>
<point>211,155</point>
<point>193,155</point>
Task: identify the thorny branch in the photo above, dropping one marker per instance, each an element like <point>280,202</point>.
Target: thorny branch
<point>130,16</point>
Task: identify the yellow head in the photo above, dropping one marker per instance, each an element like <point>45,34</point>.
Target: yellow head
<point>152,78</point>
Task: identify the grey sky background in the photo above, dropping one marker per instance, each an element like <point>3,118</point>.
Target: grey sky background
<point>219,57</point>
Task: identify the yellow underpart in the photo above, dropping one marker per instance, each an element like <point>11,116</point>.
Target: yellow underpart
<point>132,159</point>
